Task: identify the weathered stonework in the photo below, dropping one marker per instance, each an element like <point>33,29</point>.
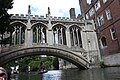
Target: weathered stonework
<point>71,39</point>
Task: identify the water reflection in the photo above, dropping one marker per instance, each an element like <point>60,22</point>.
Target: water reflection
<point>112,73</point>
<point>53,75</point>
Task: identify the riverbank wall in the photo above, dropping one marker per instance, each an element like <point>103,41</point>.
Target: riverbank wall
<point>112,60</point>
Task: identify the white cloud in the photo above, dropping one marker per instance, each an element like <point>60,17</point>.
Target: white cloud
<point>39,7</point>
<point>89,1</point>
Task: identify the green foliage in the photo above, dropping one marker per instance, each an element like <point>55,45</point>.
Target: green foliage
<point>56,63</point>
<point>23,63</point>
<point>102,64</point>
<point>48,64</point>
<point>34,65</point>
<point>6,4</point>
<point>12,63</point>
<point>5,17</point>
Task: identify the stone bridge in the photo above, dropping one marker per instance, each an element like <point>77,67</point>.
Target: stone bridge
<point>74,40</point>
<point>15,52</point>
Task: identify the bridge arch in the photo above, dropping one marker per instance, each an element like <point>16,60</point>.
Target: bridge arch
<point>63,53</point>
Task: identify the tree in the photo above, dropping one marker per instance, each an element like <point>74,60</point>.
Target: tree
<point>5,17</point>
<point>56,63</point>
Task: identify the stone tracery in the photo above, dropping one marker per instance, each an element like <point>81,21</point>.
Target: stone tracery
<point>59,34</point>
<point>39,33</point>
<point>18,35</point>
<point>75,36</point>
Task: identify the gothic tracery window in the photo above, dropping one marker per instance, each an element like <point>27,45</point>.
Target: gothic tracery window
<point>34,35</point>
<point>39,33</point>
<point>18,35</point>
<point>75,36</point>
<point>59,35</point>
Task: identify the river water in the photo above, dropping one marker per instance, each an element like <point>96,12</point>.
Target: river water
<point>112,73</point>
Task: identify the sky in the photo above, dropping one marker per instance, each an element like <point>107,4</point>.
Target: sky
<point>59,8</point>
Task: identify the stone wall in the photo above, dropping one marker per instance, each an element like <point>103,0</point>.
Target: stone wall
<point>112,60</point>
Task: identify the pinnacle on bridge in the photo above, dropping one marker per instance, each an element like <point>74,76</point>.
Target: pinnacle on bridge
<point>48,10</point>
<point>29,10</point>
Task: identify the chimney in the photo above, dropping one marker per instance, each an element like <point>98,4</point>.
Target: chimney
<point>72,13</point>
<point>83,5</point>
<point>29,10</point>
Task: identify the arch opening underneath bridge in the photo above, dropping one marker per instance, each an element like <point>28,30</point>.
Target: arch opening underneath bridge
<point>69,56</point>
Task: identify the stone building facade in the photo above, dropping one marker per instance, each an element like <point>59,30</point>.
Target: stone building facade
<point>78,35</point>
<point>106,15</point>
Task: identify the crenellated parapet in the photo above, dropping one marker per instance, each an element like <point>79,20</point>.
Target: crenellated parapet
<point>25,16</point>
<point>52,20</point>
<point>41,17</point>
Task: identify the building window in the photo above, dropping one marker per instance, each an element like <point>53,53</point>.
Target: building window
<point>113,34</point>
<point>59,35</point>
<point>108,14</point>
<point>39,33</point>
<point>104,42</point>
<point>91,12</point>
<point>87,16</point>
<point>100,20</point>
<point>105,1</point>
<point>97,5</point>
<point>75,36</point>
